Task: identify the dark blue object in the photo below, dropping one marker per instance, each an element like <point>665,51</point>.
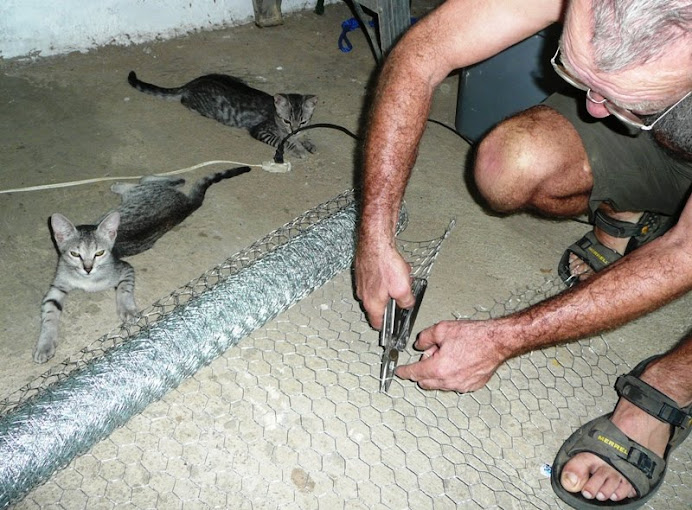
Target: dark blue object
<point>350,24</point>
<point>515,79</point>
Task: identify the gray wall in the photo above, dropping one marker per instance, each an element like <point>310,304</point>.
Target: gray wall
<point>42,27</point>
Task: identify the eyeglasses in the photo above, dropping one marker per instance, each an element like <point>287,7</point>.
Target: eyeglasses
<point>621,113</point>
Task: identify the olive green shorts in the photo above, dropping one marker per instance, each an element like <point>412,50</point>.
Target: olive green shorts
<point>631,171</point>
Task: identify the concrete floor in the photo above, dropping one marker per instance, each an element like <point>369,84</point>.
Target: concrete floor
<point>75,117</point>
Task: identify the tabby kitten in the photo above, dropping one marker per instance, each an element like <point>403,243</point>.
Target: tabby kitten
<point>89,255</point>
<point>155,205</point>
<point>230,101</point>
<point>87,263</point>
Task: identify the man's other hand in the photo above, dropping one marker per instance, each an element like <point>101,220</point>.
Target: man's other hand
<point>457,355</point>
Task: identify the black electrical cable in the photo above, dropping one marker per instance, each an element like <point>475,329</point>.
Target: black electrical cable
<point>433,121</point>
<point>279,155</point>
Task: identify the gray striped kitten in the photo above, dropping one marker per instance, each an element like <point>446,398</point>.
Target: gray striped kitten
<point>232,102</point>
<point>89,255</point>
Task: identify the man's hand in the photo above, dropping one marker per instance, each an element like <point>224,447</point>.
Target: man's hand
<point>458,355</point>
<point>381,273</point>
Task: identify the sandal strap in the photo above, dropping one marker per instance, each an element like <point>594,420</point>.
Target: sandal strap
<point>617,228</point>
<point>652,401</point>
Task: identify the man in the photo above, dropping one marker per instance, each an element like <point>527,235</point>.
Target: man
<point>634,60</point>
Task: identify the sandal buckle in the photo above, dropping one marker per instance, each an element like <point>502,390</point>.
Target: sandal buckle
<point>672,415</point>
<point>641,461</point>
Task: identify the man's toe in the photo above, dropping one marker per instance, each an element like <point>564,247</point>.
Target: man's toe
<point>609,488</point>
<point>624,491</point>
<point>577,266</point>
<point>600,478</point>
<point>574,476</point>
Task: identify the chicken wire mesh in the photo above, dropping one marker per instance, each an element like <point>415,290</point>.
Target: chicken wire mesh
<point>292,417</point>
<point>180,297</point>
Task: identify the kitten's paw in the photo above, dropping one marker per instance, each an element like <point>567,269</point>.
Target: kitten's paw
<point>121,188</point>
<point>309,146</point>
<point>298,152</point>
<point>44,351</point>
<point>128,314</point>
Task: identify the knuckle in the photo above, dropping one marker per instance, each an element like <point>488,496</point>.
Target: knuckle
<point>425,385</point>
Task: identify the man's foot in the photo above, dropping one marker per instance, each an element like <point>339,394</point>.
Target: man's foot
<point>622,457</point>
<point>593,477</point>
<point>614,234</point>
<point>580,269</point>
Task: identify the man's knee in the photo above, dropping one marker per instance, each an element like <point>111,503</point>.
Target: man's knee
<point>518,155</point>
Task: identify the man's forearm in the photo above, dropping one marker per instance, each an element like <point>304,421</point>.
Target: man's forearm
<point>645,280</point>
<point>396,124</point>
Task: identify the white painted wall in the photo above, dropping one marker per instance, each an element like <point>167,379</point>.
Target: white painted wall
<point>51,27</point>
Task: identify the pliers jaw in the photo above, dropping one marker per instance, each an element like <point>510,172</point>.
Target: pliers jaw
<point>397,325</point>
<point>390,358</point>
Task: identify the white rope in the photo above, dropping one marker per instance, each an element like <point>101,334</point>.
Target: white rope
<point>101,179</point>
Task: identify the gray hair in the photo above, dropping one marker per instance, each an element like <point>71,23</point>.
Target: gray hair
<point>633,32</point>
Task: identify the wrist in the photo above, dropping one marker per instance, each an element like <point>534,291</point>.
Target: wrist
<point>508,337</point>
<point>377,234</point>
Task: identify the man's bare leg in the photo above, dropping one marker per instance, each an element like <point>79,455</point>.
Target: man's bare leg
<point>536,161</point>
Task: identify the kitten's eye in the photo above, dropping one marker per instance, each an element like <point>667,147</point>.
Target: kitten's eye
<point>74,254</point>
<point>287,122</point>
<point>99,253</point>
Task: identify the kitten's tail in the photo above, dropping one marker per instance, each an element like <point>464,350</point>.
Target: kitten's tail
<point>197,192</point>
<point>148,88</point>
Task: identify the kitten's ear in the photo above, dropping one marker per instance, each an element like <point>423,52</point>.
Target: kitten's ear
<point>109,226</point>
<point>280,101</point>
<point>282,106</point>
<point>309,103</point>
<point>63,229</point>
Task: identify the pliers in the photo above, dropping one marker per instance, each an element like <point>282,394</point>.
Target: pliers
<point>397,324</point>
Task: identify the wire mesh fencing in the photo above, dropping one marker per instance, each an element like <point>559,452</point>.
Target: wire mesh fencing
<point>292,417</point>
